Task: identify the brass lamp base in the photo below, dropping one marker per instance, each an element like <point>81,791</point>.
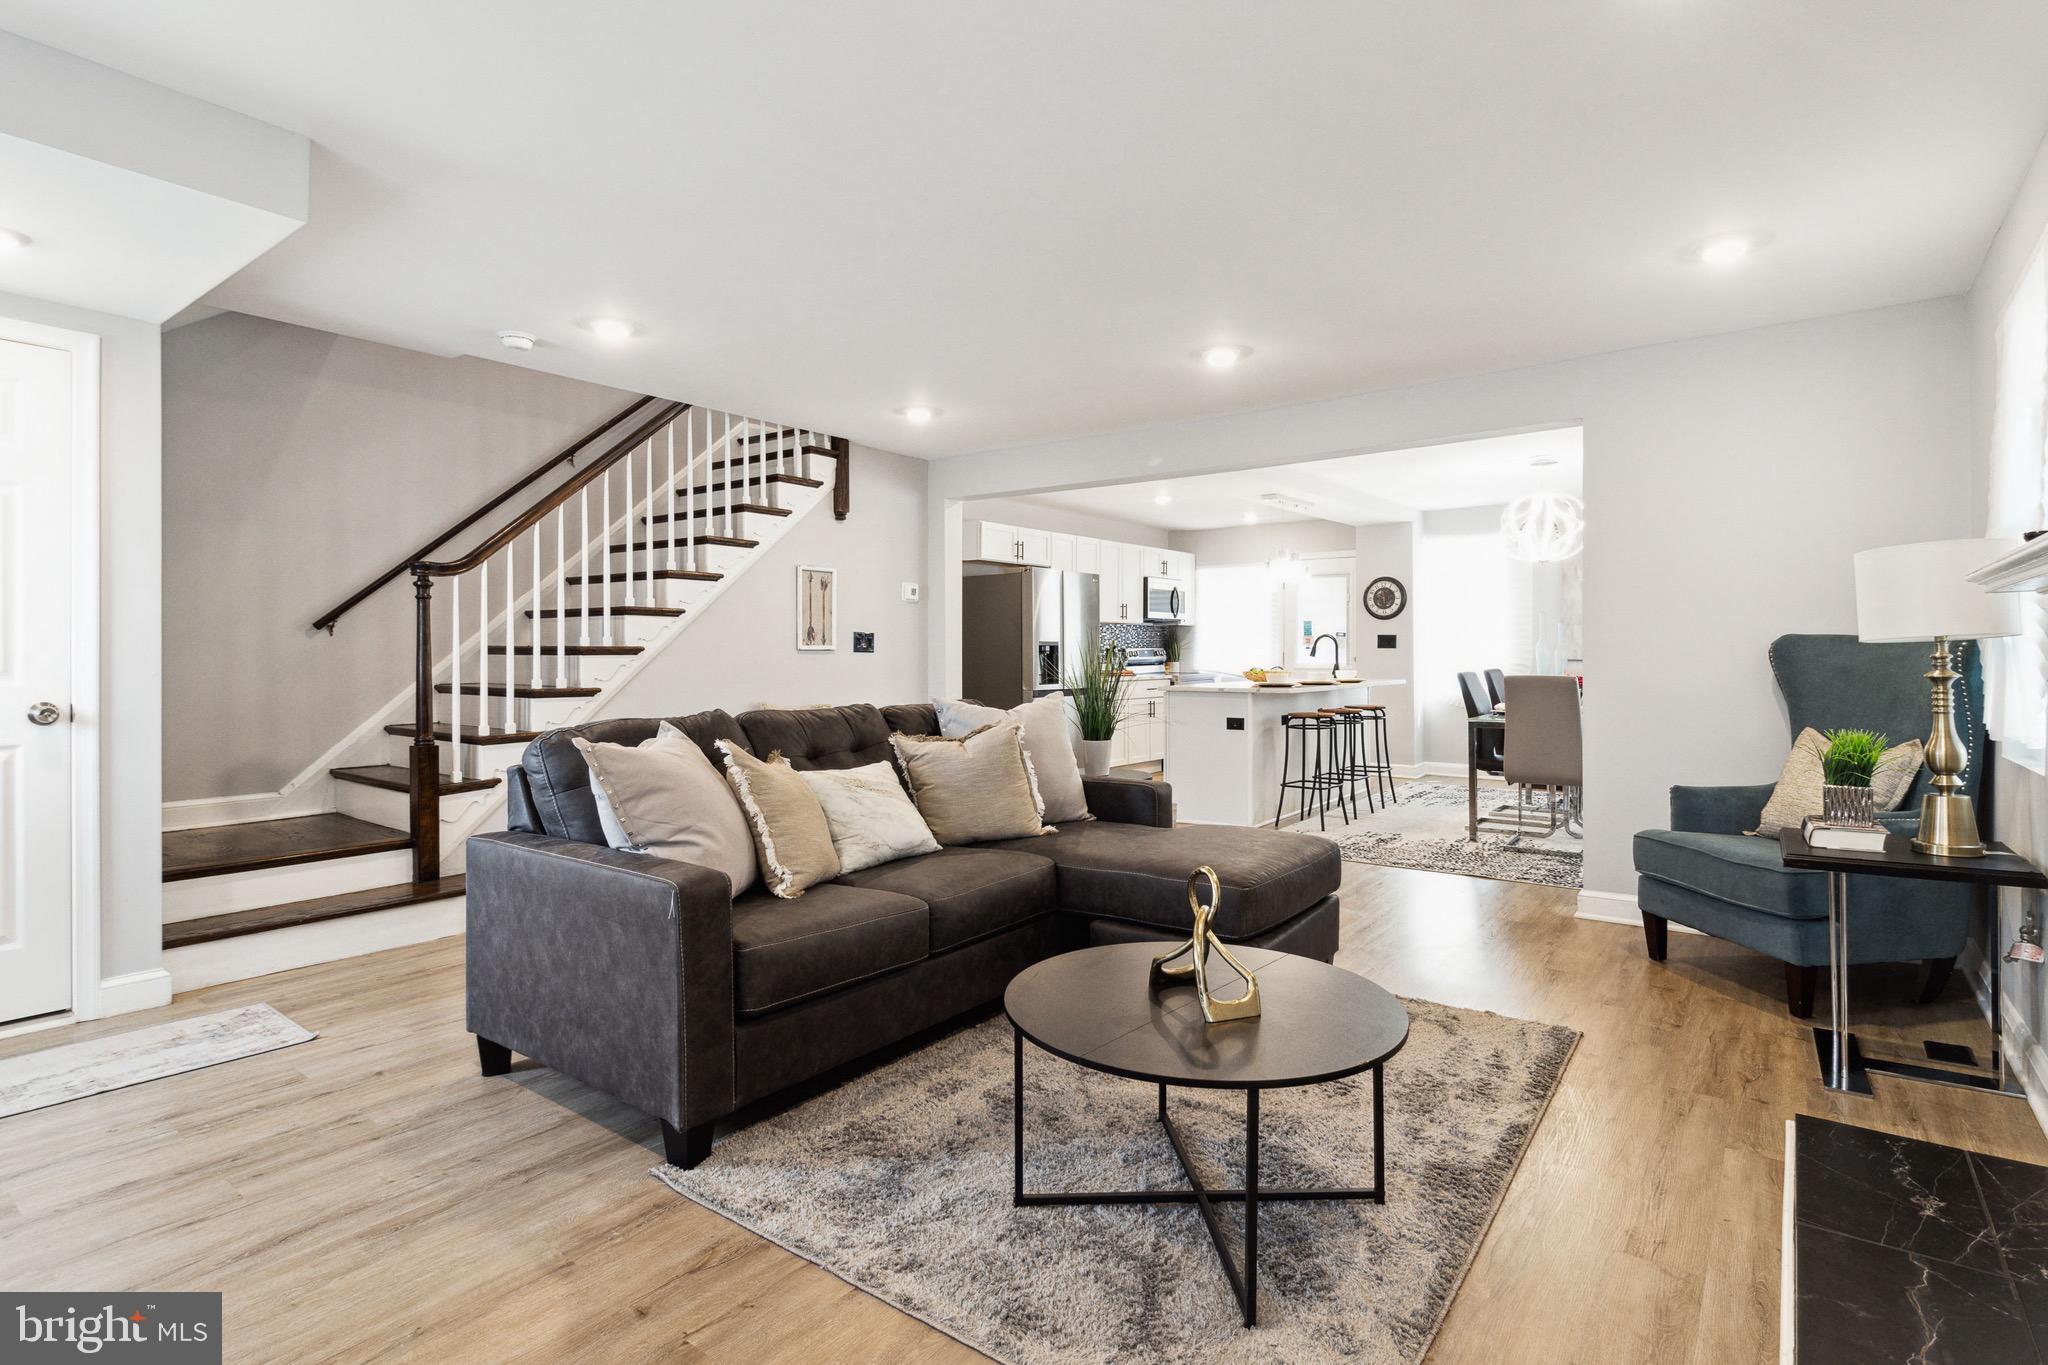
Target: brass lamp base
<point>1948,828</point>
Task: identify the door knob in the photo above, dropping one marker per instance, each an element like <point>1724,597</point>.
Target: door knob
<point>45,713</point>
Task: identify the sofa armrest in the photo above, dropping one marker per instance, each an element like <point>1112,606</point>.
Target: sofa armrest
<point>615,968</point>
<point>1719,810</point>
<point>1130,801</point>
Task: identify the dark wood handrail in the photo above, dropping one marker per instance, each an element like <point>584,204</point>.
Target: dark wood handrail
<point>566,455</point>
<point>560,494</point>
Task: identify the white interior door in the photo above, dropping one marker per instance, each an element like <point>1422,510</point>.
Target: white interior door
<point>35,680</point>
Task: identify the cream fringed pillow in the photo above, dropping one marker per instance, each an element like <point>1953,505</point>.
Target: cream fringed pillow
<point>973,789</point>
<point>790,830</point>
<point>1048,743</point>
<point>1798,793</point>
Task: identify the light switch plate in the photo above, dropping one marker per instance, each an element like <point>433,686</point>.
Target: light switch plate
<point>911,592</point>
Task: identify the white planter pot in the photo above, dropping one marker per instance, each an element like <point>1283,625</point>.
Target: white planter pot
<point>1095,756</point>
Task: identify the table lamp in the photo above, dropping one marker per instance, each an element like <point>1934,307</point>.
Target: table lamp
<point>1922,592</point>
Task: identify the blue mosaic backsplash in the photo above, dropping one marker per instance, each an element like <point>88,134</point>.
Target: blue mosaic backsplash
<point>1133,635</point>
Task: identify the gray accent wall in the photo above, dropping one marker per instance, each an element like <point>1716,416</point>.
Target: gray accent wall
<point>297,465</point>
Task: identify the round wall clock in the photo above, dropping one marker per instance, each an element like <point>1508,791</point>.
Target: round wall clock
<point>1385,598</point>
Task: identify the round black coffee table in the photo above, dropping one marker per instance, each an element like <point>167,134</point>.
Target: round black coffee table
<point>1320,1023</point>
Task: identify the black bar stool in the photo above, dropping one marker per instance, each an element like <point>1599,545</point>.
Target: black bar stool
<point>1319,737</point>
<point>1381,767</point>
<point>1352,720</point>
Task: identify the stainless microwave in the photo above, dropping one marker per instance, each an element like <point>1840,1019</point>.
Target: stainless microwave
<point>1166,599</point>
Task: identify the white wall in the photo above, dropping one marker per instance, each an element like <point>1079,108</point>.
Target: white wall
<point>129,708</point>
<point>742,651</point>
<point>1728,482</point>
<point>1064,521</point>
<point>1259,543</point>
<point>1388,550</point>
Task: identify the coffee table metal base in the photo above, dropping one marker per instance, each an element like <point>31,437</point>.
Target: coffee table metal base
<point>1244,1283</point>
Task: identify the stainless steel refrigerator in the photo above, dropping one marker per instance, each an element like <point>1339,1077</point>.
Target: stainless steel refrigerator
<point>1024,630</point>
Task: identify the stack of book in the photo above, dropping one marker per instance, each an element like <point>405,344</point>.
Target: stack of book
<point>1819,833</point>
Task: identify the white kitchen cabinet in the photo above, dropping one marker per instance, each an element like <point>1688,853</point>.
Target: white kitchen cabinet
<point>1127,603</point>
<point>1034,547</point>
<point>1061,556</point>
<point>1143,732</point>
<point>1087,555</point>
<point>1180,564</point>
<point>992,540</point>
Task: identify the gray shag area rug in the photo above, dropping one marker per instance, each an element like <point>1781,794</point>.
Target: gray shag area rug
<point>1425,830</point>
<point>898,1182</point>
<point>72,1071</point>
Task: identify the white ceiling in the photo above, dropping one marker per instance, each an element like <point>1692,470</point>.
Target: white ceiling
<point>1029,215</point>
<point>1389,485</point>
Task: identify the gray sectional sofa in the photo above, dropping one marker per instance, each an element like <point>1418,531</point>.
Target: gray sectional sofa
<point>645,978</point>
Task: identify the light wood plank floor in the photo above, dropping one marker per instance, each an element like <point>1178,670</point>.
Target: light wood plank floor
<point>368,1196</point>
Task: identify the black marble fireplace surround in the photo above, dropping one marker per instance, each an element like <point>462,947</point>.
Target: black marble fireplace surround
<point>1911,1251</point>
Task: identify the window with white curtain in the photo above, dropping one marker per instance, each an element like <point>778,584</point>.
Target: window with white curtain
<point>2016,669</point>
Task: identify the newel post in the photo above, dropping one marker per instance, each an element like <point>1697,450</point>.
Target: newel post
<point>424,761</point>
<point>842,478</point>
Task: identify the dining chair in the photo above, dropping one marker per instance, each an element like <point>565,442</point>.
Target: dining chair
<point>1548,748</point>
<point>1478,704</point>
<point>1496,685</point>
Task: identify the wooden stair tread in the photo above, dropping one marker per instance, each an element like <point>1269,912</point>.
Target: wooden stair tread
<point>755,457</point>
<point>733,542</point>
<point>392,778</point>
<point>573,650</point>
<point>597,613</point>
<point>705,490</point>
<point>216,849</point>
<point>757,508</point>
<point>526,691</point>
<point>470,735</point>
<point>687,575</point>
<point>185,933</point>
<point>780,434</point>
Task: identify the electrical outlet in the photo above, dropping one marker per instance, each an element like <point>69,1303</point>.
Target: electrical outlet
<point>912,593</point>
<point>863,642</point>
<point>1233,722</point>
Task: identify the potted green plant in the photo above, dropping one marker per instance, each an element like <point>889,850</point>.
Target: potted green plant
<point>1172,641</point>
<point>1852,758</point>
<point>1097,688</point>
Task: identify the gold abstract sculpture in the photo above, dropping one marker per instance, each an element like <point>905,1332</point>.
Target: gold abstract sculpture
<point>1198,945</point>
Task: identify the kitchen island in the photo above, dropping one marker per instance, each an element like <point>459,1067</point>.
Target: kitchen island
<point>1223,744</point>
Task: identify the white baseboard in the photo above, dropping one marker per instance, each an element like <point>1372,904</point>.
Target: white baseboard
<point>202,811</point>
<point>132,991</point>
<point>2026,1061</point>
<point>305,945</point>
<point>1456,770</point>
<point>1615,907</point>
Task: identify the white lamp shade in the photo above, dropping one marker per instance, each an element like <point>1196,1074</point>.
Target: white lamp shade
<point>1916,592</point>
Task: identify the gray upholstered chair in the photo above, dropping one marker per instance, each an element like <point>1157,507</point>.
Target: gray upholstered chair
<point>1706,873</point>
<point>1545,744</point>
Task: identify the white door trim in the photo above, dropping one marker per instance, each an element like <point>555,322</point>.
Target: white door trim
<point>84,722</point>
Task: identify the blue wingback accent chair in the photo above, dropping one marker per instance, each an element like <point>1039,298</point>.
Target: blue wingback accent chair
<point>1706,873</point>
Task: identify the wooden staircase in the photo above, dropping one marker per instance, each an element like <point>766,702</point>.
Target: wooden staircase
<point>541,619</point>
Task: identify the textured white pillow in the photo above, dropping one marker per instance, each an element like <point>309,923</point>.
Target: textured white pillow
<point>872,821</point>
<point>1048,742</point>
<point>662,796</point>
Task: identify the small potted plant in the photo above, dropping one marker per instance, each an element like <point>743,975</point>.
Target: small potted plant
<point>1852,758</point>
<point>1173,640</point>
<point>1097,688</point>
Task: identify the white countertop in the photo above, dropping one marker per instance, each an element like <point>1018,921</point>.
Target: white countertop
<point>1324,686</point>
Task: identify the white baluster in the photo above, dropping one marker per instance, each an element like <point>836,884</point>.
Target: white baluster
<point>511,639</point>
<point>534,631</point>
<point>561,599</point>
<point>647,559</point>
<point>672,495</point>
<point>583,539</point>
<point>483,667</point>
<point>455,671</point>
<point>628,462</point>
<point>604,599</point>
<point>803,453</point>
<point>690,489</point>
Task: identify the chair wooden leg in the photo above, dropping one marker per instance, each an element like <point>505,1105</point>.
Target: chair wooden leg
<point>495,1058</point>
<point>1799,984</point>
<point>1656,933</point>
<point>1935,972</point>
<point>685,1147</point>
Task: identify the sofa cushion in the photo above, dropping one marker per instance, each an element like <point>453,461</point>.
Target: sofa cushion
<point>785,951</point>
<point>912,718</point>
<point>820,737</point>
<point>1740,868</point>
<point>1138,873</point>
<point>972,892</point>
<point>558,780</point>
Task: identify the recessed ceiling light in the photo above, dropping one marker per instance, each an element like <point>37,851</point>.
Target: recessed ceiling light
<point>1223,357</point>
<point>611,330</point>
<point>1724,250</point>
<point>12,241</point>
<point>516,341</point>
<point>1250,518</point>
<point>1161,499</point>
<point>917,415</point>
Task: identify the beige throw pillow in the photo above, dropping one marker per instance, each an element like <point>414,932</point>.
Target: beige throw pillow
<point>973,789</point>
<point>790,830</point>
<point>1798,793</point>
<point>872,821</point>
<point>663,797</point>
<point>1048,740</point>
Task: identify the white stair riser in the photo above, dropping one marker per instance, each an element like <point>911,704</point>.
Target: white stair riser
<point>203,896</point>
<point>483,758</point>
<point>277,950</point>
<point>382,807</point>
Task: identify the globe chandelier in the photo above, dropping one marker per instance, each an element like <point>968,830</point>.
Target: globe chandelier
<point>1543,527</point>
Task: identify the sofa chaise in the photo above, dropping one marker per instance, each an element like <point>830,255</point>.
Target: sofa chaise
<point>645,978</point>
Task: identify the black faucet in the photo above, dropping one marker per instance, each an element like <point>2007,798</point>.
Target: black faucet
<point>1336,650</point>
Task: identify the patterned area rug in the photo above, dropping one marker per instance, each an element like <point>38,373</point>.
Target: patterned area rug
<point>1425,829</point>
<point>898,1182</point>
<point>71,1071</point>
